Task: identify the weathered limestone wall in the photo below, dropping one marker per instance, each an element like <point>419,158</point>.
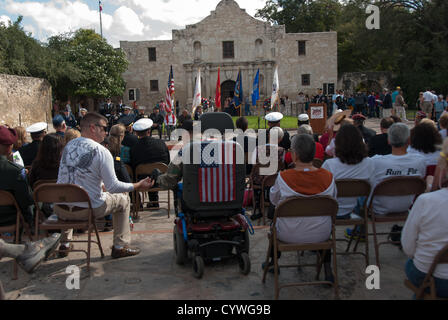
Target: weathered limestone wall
<point>257,45</point>
<point>24,100</point>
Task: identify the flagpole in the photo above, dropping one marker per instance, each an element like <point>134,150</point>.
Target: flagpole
<point>101,20</point>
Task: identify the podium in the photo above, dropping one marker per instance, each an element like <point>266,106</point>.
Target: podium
<point>318,117</point>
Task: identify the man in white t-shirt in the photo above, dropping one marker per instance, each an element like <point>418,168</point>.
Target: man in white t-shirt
<point>428,102</point>
<point>89,165</point>
<point>399,163</point>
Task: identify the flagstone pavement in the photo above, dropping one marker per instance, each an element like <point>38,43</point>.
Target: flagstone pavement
<point>154,274</point>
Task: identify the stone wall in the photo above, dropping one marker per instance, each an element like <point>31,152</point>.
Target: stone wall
<point>351,82</point>
<point>24,100</point>
<point>257,45</point>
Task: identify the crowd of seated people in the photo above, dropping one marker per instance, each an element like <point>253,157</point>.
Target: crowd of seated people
<point>397,151</point>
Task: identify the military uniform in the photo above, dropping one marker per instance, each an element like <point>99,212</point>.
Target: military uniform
<point>149,150</point>
<point>29,152</point>
<point>14,180</point>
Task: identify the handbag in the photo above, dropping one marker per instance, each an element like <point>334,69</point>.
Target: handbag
<point>248,198</point>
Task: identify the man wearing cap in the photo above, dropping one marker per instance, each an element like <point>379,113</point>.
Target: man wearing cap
<point>29,152</point>
<point>141,114</point>
<point>127,115</point>
<point>148,150</point>
<point>59,125</point>
<point>439,107</point>
<point>69,119</point>
<point>85,162</point>
<point>13,180</point>
<point>157,120</point>
<point>367,133</point>
<point>274,119</point>
<point>303,119</point>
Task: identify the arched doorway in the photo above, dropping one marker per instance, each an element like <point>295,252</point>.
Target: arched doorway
<point>227,90</point>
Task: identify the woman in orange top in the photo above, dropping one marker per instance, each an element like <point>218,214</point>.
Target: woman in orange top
<point>305,181</point>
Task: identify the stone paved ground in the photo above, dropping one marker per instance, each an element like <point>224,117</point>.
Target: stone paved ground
<point>154,274</point>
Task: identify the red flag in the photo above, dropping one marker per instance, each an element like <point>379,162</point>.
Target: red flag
<point>218,91</point>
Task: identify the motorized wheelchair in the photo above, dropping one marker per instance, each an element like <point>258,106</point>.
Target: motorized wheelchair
<point>211,225</point>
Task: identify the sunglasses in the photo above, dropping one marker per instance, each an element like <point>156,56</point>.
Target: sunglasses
<point>100,126</point>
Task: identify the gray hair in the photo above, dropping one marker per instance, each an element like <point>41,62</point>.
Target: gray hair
<point>278,131</point>
<point>304,147</point>
<point>399,134</point>
<point>305,129</point>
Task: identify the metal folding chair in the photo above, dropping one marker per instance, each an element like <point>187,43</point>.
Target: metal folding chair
<point>66,194</point>
<point>319,206</point>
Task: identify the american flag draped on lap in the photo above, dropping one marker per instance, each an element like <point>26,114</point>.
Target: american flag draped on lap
<point>217,174</point>
<point>170,90</point>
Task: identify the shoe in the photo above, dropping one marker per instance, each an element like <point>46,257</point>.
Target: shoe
<point>36,252</point>
<point>348,235</point>
<point>125,251</point>
<point>270,266</point>
<point>256,216</point>
<point>64,250</point>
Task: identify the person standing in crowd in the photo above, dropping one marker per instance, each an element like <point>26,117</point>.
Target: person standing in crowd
<point>395,94</point>
<point>419,102</point>
<point>439,107</point>
<point>106,109</point>
<point>428,101</point>
<point>82,114</point>
<point>387,103</point>
<point>158,121</point>
<point>371,100</point>
<point>148,150</point>
<point>59,125</point>
<point>88,164</point>
<point>141,113</point>
<point>198,113</point>
<point>68,106</point>
<point>170,123</point>
<point>379,145</point>
<point>360,102</point>
<point>183,117</point>
<point>301,100</point>
<point>120,106</point>
<point>29,152</point>
<point>400,106</point>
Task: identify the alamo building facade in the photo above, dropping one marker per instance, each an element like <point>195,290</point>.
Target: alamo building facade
<point>232,40</point>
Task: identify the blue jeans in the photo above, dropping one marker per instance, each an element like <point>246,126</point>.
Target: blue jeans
<point>416,277</point>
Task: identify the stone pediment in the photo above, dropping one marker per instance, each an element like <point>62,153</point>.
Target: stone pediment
<point>227,15</point>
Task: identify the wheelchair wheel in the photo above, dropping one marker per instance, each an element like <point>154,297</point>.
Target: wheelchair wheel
<point>246,241</point>
<point>244,263</point>
<point>198,267</point>
<point>180,247</point>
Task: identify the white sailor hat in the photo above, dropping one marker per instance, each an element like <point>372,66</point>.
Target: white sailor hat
<point>274,117</point>
<point>37,127</point>
<point>127,107</point>
<point>142,125</point>
<point>304,117</point>
<point>83,110</point>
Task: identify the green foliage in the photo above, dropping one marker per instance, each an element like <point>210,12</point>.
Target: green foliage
<point>412,42</point>
<point>79,63</point>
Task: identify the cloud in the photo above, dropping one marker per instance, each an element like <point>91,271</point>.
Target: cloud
<point>125,20</point>
<point>5,19</point>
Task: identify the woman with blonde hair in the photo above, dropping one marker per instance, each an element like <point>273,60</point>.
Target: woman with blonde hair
<point>116,136</point>
<point>21,138</point>
<point>424,233</point>
<point>71,134</point>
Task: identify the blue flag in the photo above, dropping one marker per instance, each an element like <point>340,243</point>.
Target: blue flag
<point>256,90</point>
<point>238,98</point>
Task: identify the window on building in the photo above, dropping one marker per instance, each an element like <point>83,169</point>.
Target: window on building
<point>228,50</point>
<point>306,80</point>
<point>152,53</point>
<point>154,85</point>
<point>302,48</point>
<point>131,94</point>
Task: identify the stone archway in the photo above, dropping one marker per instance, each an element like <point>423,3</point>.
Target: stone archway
<point>227,90</point>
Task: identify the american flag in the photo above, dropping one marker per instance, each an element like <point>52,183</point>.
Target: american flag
<point>101,6</point>
<point>170,90</point>
<point>217,173</point>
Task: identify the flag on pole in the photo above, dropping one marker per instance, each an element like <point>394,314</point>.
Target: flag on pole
<point>275,88</point>
<point>170,91</point>
<point>197,98</point>
<point>256,89</point>
<point>238,98</point>
<point>218,91</point>
<point>101,6</point>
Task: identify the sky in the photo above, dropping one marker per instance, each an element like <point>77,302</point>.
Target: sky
<point>126,20</point>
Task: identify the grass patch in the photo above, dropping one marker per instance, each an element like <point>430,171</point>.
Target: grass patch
<point>286,123</point>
